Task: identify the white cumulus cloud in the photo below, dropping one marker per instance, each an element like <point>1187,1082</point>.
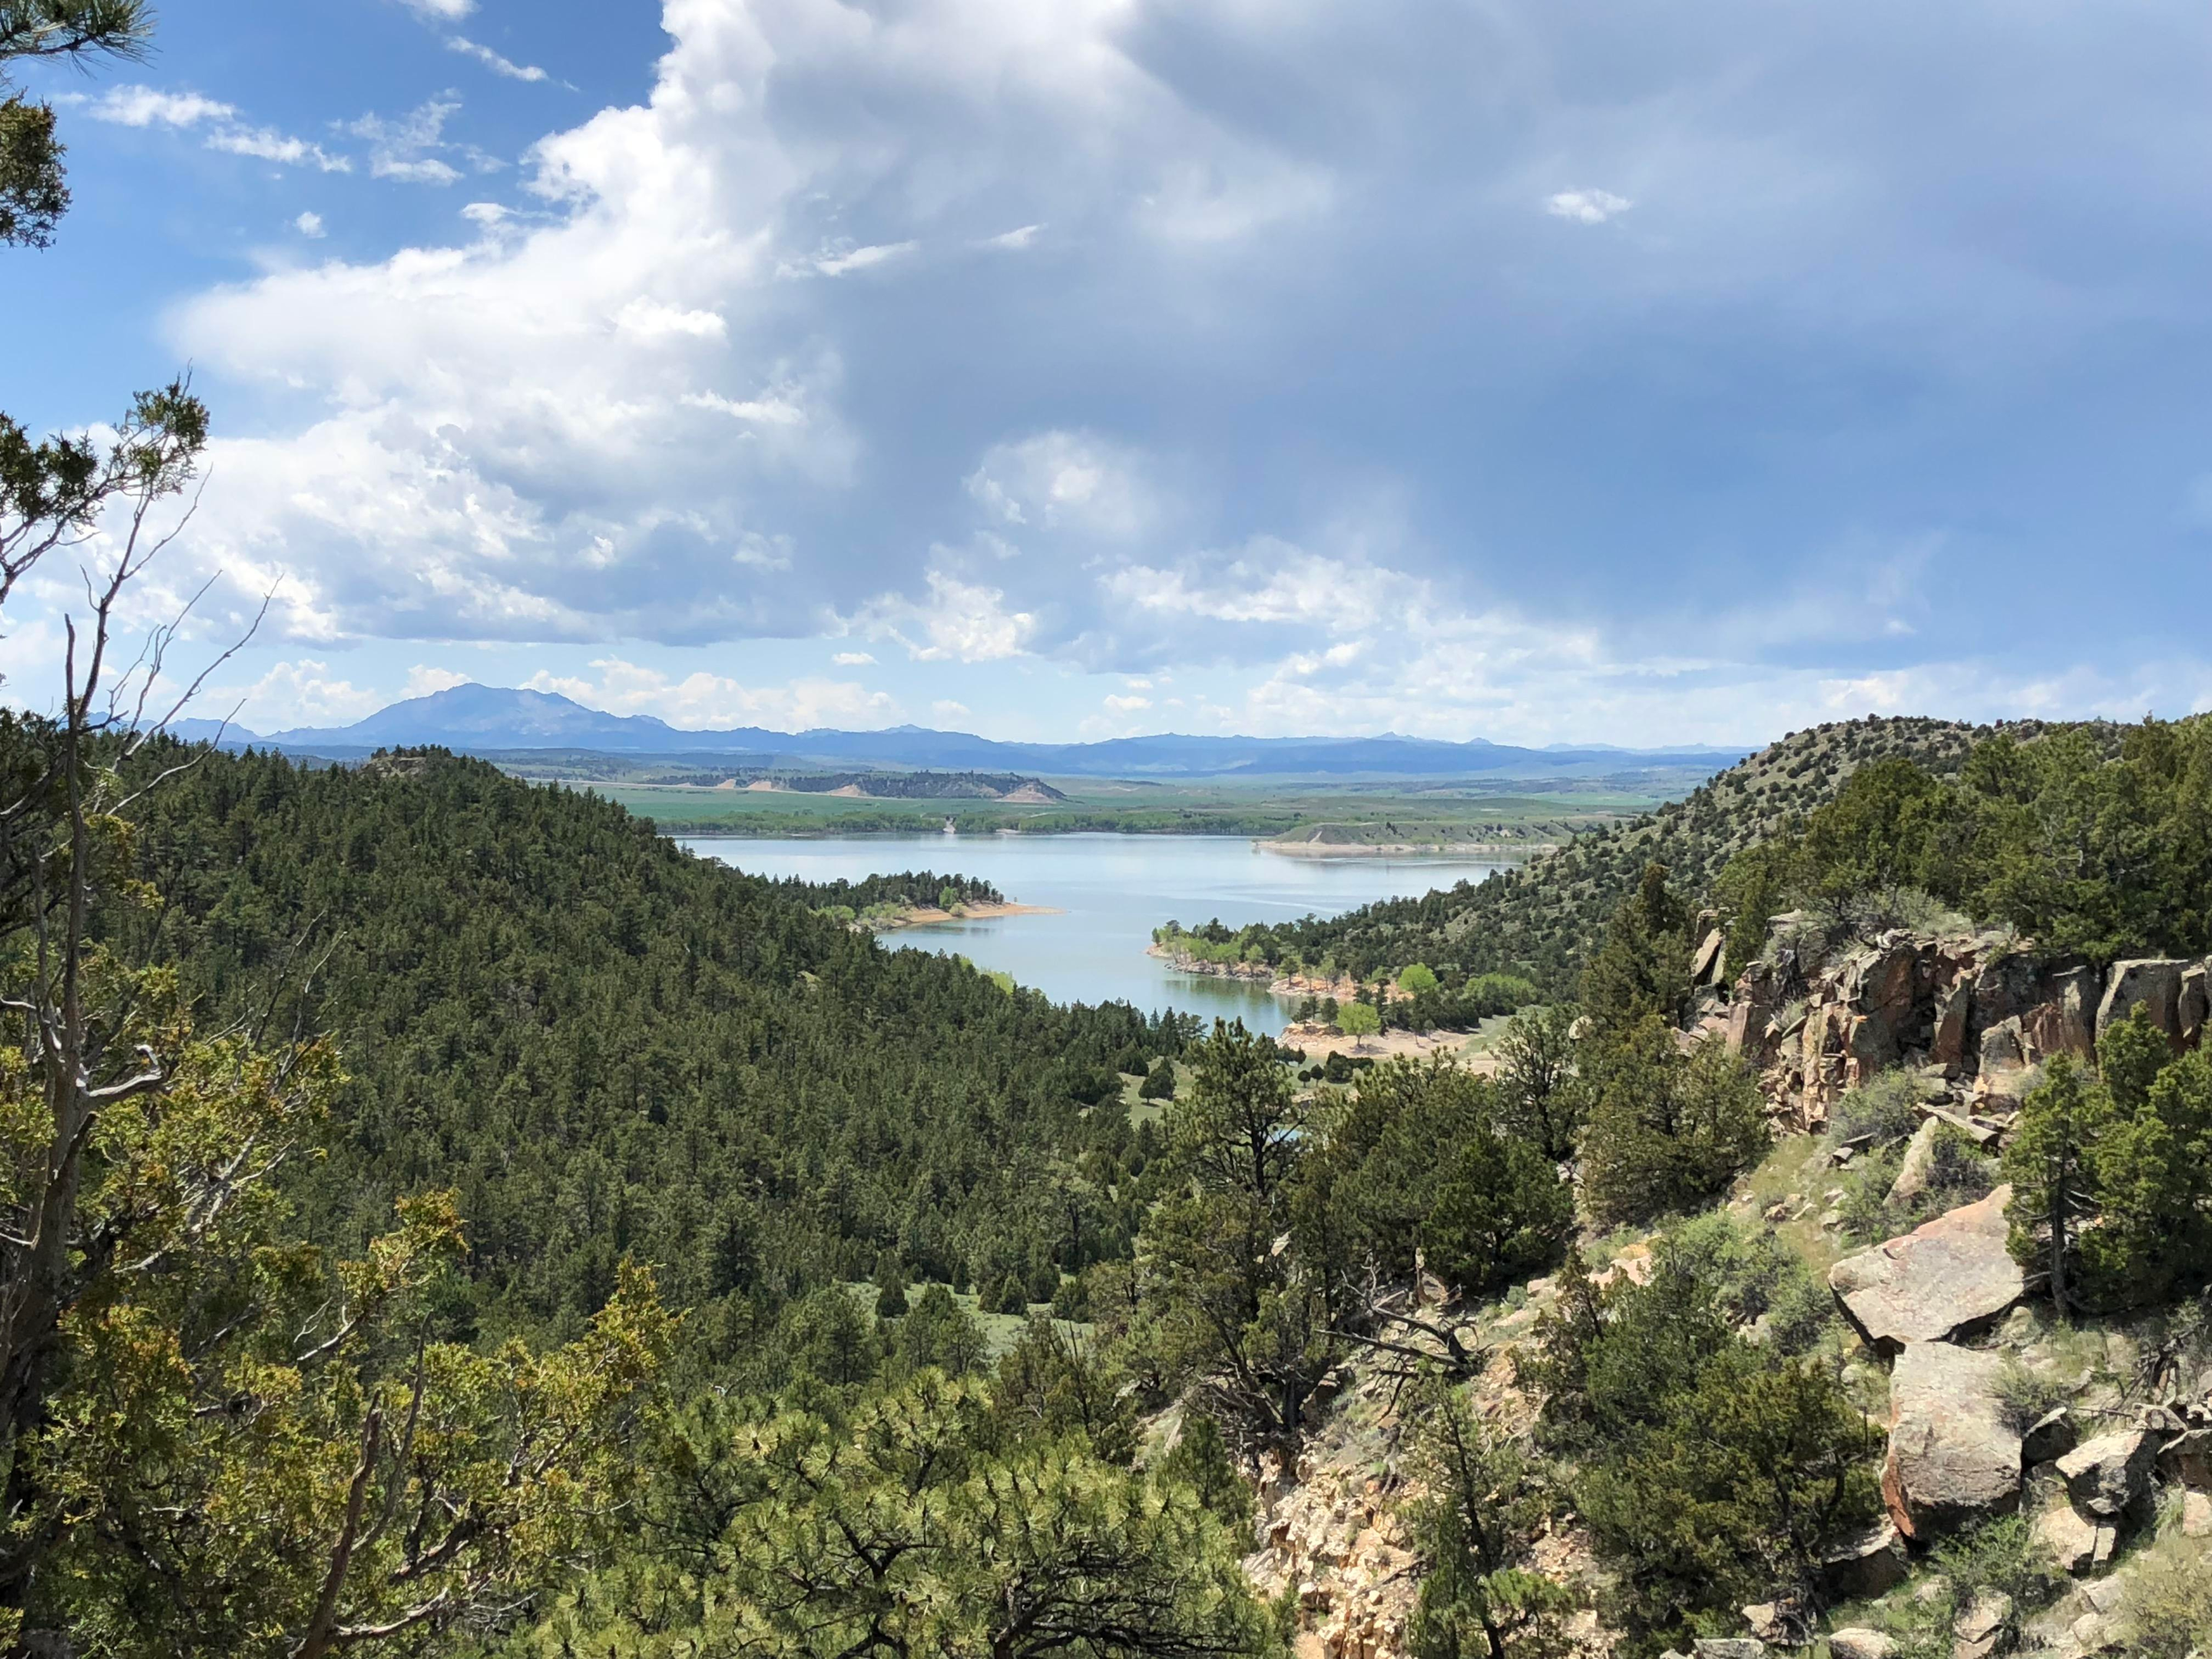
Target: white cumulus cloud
<point>1587,207</point>
<point>959,621</point>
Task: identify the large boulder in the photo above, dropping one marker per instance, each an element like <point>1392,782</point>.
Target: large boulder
<point>1954,1454</point>
<point>2109,1478</point>
<point>1859,1643</point>
<point>1950,1278</point>
<point>2151,982</point>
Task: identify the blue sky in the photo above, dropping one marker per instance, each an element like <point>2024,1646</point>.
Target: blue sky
<point>1532,369</point>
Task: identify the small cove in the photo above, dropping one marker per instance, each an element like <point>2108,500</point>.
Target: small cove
<point>1108,892</point>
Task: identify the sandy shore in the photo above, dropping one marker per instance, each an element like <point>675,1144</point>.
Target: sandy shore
<point>1402,849</point>
<point>923,915</point>
<point>1318,1043</point>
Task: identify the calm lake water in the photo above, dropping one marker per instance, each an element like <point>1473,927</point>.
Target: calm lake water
<point>1112,891</point>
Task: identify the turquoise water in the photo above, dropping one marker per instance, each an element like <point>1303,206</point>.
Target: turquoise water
<point>1111,891</point>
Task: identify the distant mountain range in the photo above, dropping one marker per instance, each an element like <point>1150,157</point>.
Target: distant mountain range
<point>484,719</point>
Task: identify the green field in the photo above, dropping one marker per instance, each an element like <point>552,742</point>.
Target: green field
<point>1342,817</point>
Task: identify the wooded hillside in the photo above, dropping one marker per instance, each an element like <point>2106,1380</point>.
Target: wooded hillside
<point>609,1047</point>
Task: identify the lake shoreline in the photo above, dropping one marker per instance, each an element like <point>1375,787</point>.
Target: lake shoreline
<point>1088,905</point>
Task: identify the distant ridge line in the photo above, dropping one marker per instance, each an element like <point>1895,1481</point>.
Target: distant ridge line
<point>481,720</point>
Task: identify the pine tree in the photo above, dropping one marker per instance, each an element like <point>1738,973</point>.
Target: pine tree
<point>1643,968</point>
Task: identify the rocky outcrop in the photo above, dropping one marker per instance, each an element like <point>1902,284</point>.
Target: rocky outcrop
<point>1950,1278</point>
<point>1859,1643</point>
<point>2154,984</point>
<point>1954,1457</point>
<point>1978,1012</point>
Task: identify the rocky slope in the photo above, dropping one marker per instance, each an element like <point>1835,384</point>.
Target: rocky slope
<point>2112,1464</point>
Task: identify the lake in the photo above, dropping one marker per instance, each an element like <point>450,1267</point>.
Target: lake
<point>1111,891</point>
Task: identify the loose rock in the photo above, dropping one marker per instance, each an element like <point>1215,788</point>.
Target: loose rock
<point>2077,1544</point>
<point>2109,1476</point>
<point>2050,1436</point>
<point>1953,1458</point>
<point>1863,1567</point>
<point>1858,1643</point>
<point>2187,1460</point>
<point>1977,1631</point>
<point>2197,1514</point>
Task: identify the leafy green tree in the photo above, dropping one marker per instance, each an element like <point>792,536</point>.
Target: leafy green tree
<point>1247,1322</point>
<point>1886,830</point>
<point>1667,1130</point>
<point>1417,980</point>
<point>1480,1511</point>
<point>828,1336</point>
<point>1160,1082</point>
<point>2089,851</point>
<point>1237,1129</point>
<point>2111,1174</point>
<point>255,1500</point>
<point>1359,1019</point>
<point>1642,970</point>
<point>2153,1169</point>
<point>1540,1098</point>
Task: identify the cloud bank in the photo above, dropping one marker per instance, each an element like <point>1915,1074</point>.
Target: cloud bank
<point>1134,337</point>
